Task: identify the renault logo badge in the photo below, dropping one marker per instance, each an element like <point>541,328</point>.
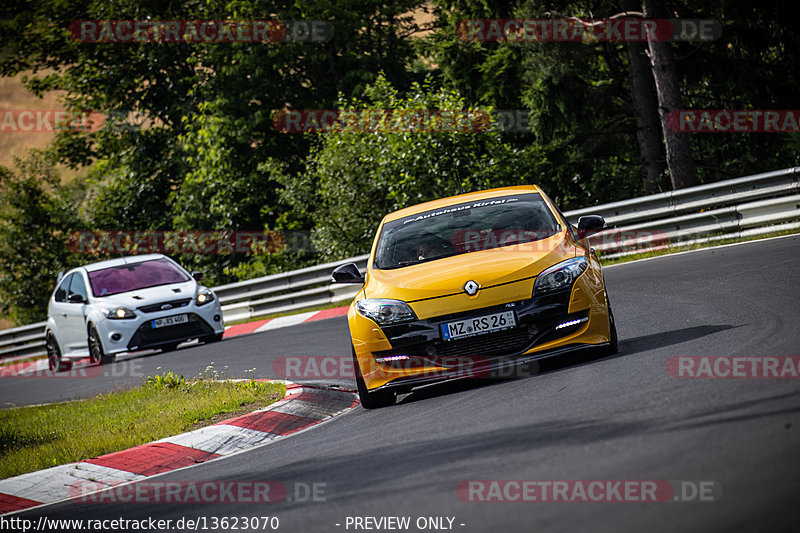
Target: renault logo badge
<point>471,288</point>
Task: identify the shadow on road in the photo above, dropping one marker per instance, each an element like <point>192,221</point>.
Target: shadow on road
<point>627,347</point>
<point>669,338</point>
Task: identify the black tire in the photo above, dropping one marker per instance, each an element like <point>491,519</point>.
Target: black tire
<point>208,339</point>
<point>613,346</point>
<point>54,361</point>
<point>374,399</point>
<point>613,343</point>
<point>96,353</point>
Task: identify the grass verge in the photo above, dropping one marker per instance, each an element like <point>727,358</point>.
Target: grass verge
<point>33,438</point>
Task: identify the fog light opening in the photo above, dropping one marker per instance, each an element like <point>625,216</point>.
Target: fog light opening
<point>572,323</point>
<point>216,318</point>
<point>390,358</point>
<point>116,337</point>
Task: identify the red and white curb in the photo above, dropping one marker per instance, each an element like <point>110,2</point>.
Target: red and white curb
<point>284,321</point>
<point>29,367</point>
<point>40,365</point>
<point>301,408</point>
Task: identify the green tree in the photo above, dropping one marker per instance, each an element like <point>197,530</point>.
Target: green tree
<point>36,216</point>
<point>354,177</point>
<point>581,144</point>
<point>191,159</point>
<point>580,95</point>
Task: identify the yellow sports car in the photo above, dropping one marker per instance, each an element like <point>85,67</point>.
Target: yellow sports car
<point>466,285</point>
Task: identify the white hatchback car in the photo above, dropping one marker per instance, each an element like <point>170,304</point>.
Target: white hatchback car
<point>126,304</point>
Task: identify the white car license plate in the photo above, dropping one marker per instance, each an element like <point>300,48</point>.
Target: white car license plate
<point>169,321</point>
<point>478,325</point>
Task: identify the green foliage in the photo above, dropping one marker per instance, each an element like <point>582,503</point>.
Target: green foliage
<point>582,137</point>
<point>36,215</point>
<point>167,380</point>
<point>189,143</point>
<point>582,129</point>
<point>10,437</point>
<point>251,385</point>
<point>752,66</point>
<point>354,178</point>
<point>129,190</point>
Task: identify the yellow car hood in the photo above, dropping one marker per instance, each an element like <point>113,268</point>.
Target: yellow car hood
<point>447,276</point>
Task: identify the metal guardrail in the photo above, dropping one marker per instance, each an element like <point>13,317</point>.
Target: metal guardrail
<point>727,208</point>
<point>278,293</point>
<point>24,341</point>
<point>673,203</point>
<point>730,208</point>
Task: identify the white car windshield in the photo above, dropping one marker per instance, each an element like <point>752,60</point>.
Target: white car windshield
<point>462,228</point>
<point>130,277</point>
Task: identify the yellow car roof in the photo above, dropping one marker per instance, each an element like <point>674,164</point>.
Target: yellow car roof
<point>461,198</point>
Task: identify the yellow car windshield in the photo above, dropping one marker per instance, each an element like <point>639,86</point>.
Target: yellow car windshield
<point>463,228</point>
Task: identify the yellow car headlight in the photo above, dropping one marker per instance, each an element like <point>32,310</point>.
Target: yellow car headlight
<point>385,312</point>
<point>560,276</point>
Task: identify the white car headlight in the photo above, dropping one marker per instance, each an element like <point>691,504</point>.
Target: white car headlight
<point>118,313</point>
<point>204,296</point>
<point>559,276</point>
<point>385,312</point>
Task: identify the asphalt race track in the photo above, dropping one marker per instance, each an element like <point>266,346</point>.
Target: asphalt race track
<point>617,418</point>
